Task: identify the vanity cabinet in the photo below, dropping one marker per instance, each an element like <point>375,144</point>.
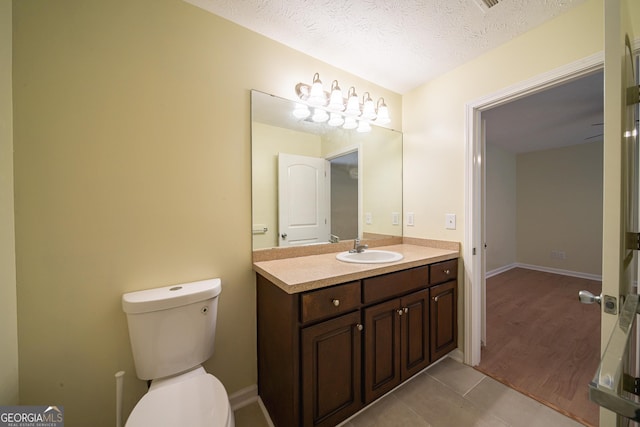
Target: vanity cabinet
<point>324,354</point>
<point>443,308</point>
<point>331,370</point>
<point>396,331</point>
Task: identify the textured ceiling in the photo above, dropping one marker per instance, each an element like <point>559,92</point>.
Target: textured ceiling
<point>397,44</point>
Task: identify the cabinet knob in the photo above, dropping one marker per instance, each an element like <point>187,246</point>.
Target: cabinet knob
<point>406,310</point>
<point>435,299</point>
<point>335,302</point>
<point>359,326</point>
<point>400,312</point>
<point>447,272</point>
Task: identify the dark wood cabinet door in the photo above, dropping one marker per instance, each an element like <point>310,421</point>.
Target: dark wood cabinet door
<point>331,370</point>
<point>443,307</point>
<point>382,349</point>
<point>415,333</point>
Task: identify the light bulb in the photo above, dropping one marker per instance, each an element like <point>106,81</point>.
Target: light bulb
<point>301,111</point>
<point>335,119</point>
<point>350,123</point>
<point>319,115</point>
<point>364,126</point>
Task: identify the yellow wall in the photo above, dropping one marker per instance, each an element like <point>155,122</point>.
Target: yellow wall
<point>434,118</point>
<point>559,208</point>
<point>434,114</point>
<point>132,171</point>
<point>8,305</point>
<point>501,202</point>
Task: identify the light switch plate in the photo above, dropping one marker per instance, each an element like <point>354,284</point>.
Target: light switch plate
<point>395,218</point>
<point>410,219</point>
<point>450,221</point>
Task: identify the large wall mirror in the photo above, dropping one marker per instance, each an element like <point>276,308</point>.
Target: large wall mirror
<point>315,183</point>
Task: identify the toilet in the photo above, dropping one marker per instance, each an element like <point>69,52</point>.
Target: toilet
<point>172,332</point>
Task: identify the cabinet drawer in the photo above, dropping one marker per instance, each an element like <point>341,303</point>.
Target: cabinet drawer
<point>394,284</point>
<point>443,271</point>
<point>329,301</point>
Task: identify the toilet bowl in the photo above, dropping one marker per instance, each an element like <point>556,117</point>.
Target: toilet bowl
<point>193,399</point>
<point>172,332</point>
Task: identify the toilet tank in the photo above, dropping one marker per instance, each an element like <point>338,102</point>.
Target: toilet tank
<point>172,329</point>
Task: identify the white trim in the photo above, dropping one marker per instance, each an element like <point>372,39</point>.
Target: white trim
<point>243,397</point>
<point>499,270</point>
<point>560,271</point>
<point>473,215</point>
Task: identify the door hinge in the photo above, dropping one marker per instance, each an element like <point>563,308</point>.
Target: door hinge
<point>633,241</point>
<point>631,384</point>
<point>633,95</point>
<point>474,251</point>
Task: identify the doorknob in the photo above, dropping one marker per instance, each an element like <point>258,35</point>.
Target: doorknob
<point>587,297</point>
<point>284,236</point>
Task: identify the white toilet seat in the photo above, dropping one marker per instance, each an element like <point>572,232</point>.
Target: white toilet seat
<point>195,398</point>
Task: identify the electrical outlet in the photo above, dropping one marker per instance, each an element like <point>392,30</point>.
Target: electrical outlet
<point>450,221</point>
<point>368,218</point>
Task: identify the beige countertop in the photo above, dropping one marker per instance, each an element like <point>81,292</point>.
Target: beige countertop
<point>305,273</point>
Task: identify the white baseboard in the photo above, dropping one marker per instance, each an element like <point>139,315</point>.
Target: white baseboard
<point>545,269</point>
<point>243,397</point>
<point>500,270</point>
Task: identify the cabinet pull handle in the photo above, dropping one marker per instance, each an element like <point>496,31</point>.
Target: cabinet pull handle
<point>335,302</point>
<point>447,272</point>
<point>359,326</point>
<point>400,312</point>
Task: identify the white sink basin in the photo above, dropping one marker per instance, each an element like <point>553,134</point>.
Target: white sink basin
<point>370,256</point>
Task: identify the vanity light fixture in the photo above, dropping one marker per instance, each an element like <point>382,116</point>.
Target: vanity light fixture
<point>301,111</point>
<point>333,107</point>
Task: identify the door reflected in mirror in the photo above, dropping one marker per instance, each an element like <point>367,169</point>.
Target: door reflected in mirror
<point>313,183</point>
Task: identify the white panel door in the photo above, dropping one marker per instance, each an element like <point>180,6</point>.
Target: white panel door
<point>303,200</point>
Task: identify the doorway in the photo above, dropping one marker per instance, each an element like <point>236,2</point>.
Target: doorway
<point>475,238</point>
<point>536,153</point>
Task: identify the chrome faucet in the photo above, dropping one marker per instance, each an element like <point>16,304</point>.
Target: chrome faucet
<point>357,247</point>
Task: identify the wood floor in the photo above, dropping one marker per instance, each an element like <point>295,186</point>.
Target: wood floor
<point>541,341</point>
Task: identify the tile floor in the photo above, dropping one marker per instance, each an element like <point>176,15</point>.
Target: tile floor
<point>448,394</point>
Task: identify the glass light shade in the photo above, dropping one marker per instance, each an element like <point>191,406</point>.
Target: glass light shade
<point>364,126</point>
<point>383,114</point>
<point>353,105</point>
<point>368,109</point>
<point>350,123</point>
<point>336,103</point>
<point>319,115</point>
<point>316,95</point>
<point>335,119</point>
<point>301,111</point>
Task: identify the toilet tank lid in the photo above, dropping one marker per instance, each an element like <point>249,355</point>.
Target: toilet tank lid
<point>170,296</point>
